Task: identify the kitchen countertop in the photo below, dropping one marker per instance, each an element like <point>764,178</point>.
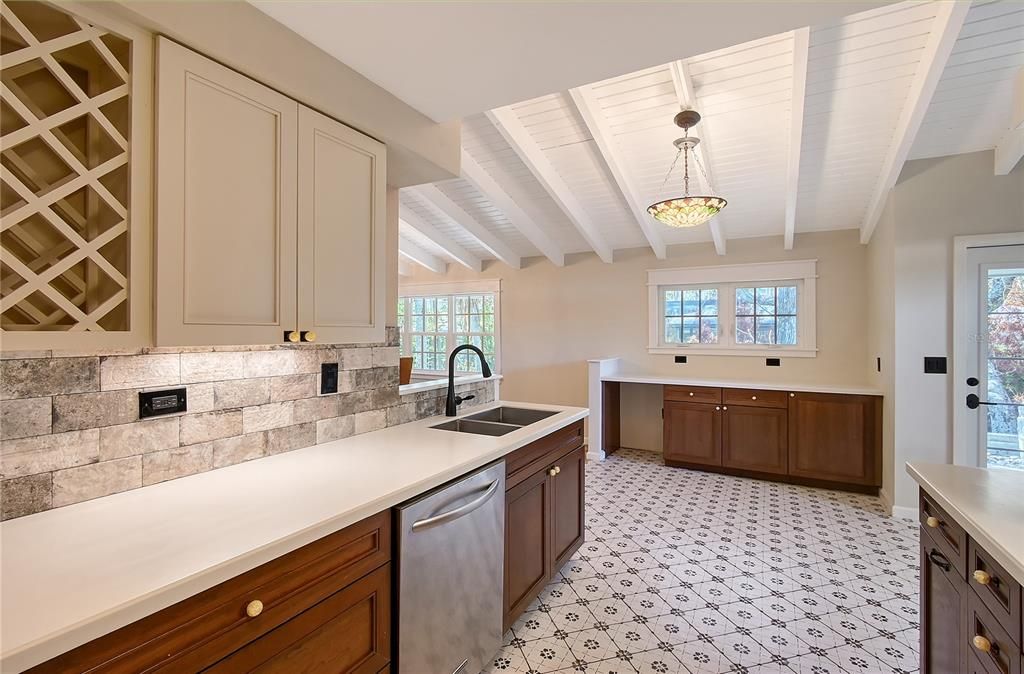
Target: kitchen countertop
<point>648,378</point>
<point>987,503</point>
<point>75,573</point>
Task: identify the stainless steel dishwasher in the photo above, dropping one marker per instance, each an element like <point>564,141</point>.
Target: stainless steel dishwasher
<point>451,575</point>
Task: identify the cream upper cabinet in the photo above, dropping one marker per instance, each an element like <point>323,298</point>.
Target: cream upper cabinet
<point>341,231</point>
<point>226,204</point>
<point>270,216</point>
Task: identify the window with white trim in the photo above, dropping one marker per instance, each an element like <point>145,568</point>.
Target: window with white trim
<point>755,310</point>
<point>434,319</point>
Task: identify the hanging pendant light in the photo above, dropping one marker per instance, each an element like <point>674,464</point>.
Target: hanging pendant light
<point>687,210</point>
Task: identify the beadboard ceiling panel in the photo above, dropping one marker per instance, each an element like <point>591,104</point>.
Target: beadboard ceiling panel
<point>970,109</point>
<point>445,225</point>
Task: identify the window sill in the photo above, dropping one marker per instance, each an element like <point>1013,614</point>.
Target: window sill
<point>759,352</point>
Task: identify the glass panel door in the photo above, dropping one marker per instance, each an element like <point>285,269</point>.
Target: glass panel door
<point>1002,352</point>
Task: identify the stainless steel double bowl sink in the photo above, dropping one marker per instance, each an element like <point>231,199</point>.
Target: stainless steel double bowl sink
<point>496,421</point>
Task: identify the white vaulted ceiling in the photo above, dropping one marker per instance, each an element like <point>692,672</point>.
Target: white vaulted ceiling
<point>802,131</point>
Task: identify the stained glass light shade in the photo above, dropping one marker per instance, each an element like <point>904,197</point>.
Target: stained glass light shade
<point>686,211</point>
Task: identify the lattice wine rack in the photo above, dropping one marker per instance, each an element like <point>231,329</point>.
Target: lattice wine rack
<point>64,202</point>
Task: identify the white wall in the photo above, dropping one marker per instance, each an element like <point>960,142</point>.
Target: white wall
<point>933,201</point>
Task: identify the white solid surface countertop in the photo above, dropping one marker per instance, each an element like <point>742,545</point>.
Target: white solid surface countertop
<point>987,502</point>
<point>75,573</point>
<point>648,378</point>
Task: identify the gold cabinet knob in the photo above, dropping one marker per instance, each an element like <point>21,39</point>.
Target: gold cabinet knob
<point>933,522</point>
<point>753,397</point>
<point>981,643</point>
<point>725,408</point>
<point>718,407</point>
<point>792,395</point>
<point>982,577</point>
<point>254,608</point>
<point>310,336</point>
<point>552,471</point>
<point>691,394</point>
<point>294,336</point>
<point>558,469</point>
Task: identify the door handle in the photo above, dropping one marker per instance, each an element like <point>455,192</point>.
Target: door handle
<point>457,512</point>
<point>939,560</point>
<point>973,401</point>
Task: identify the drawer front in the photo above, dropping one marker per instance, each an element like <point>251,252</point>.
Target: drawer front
<point>525,461</point>
<point>755,397</point>
<point>997,590</point>
<point>945,532</point>
<point>992,650</point>
<point>202,629</point>
<point>693,394</point>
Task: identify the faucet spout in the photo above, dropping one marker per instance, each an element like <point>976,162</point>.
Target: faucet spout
<point>453,401</point>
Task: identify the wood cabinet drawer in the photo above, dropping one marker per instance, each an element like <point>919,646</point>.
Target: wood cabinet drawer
<point>350,631</point>
<point>527,460</point>
<point>693,394</point>
<point>999,592</point>
<point>755,397</point>
<point>992,649</point>
<point>945,532</point>
<point>199,631</point>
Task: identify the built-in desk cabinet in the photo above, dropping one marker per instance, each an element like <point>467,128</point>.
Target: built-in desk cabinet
<point>270,215</point>
<point>970,606</point>
<point>815,438</point>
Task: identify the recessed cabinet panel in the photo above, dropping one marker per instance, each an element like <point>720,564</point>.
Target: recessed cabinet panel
<point>835,437</point>
<point>226,207</point>
<point>754,438</point>
<point>693,433</point>
<point>341,231</point>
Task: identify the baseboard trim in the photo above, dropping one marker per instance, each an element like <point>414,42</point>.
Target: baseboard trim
<point>905,513</point>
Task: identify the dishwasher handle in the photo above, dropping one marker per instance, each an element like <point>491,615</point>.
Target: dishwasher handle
<point>457,512</point>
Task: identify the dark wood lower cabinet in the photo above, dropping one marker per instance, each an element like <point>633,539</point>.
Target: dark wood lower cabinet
<point>693,433</point>
<point>943,607</point>
<point>836,438</point>
<point>544,514</point>
<point>970,617</point>
<point>754,438</point>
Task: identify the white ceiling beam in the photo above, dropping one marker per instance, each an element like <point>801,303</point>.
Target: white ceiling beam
<point>527,226</point>
<point>1010,147</point>
<point>405,267</point>
<point>417,254</point>
<point>518,137</point>
<point>590,111</point>
<point>473,227</point>
<point>686,94</point>
<point>949,18</point>
<point>801,46</point>
<point>443,241</point>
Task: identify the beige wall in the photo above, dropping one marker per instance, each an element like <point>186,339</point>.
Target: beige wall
<point>554,319</point>
<point>419,149</point>
<point>933,201</point>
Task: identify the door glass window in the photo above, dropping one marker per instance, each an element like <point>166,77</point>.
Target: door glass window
<point>1004,325</point>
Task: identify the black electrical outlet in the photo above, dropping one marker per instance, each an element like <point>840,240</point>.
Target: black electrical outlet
<point>772,362</point>
<point>935,365</point>
<point>328,378</point>
<point>680,359</point>
<point>155,403</point>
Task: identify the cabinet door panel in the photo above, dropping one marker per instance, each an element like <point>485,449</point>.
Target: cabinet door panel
<point>527,543</point>
<point>348,632</point>
<point>341,231</point>
<point>835,437</point>
<point>567,507</point>
<point>943,612</point>
<point>754,438</point>
<point>226,204</point>
<point>692,433</point>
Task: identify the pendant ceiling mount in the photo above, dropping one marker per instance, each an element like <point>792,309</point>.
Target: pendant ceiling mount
<point>687,210</point>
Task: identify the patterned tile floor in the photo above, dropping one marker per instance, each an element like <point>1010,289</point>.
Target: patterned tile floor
<point>691,572</point>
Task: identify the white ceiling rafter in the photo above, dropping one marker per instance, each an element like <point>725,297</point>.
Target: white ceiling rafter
<point>489,187</point>
<point>945,29</point>
<point>441,201</point>
<point>687,97</point>
<point>1010,147</point>
<point>516,135</point>
<point>405,267</point>
<point>801,51</point>
<point>420,256</point>
<point>590,111</point>
<point>442,240</point>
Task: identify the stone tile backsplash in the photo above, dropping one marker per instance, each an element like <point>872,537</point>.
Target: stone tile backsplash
<point>70,432</point>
